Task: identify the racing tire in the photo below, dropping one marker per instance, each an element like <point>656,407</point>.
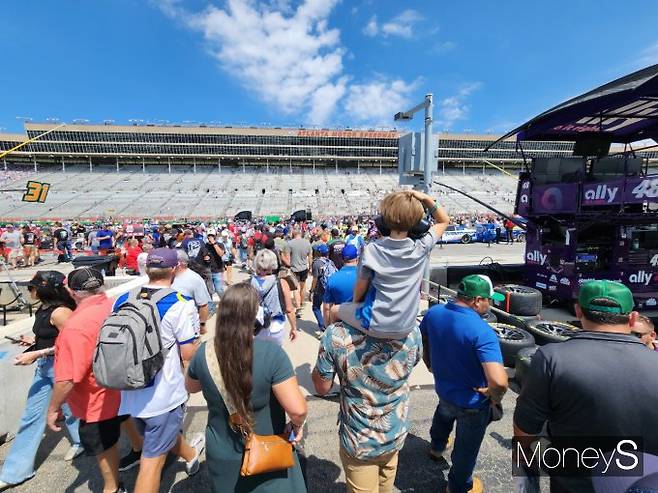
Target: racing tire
<point>546,331</point>
<point>490,317</point>
<point>523,300</point>
<point>522,364</point>
<point>465,240</point>
<point>511,340</point>
<point>521,238</point>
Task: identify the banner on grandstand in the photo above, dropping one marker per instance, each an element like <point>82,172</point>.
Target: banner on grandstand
<point>36,191</point>
<point>356,134</point>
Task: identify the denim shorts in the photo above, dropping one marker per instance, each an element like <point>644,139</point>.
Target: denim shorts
<point>160,432</point>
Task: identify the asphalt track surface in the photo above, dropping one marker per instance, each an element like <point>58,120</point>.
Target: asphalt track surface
<point>416,472</point>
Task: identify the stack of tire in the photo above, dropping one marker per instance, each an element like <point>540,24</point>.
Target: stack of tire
<point>524,304</point>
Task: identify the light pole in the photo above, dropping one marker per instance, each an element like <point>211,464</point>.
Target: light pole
<point>428,106</point>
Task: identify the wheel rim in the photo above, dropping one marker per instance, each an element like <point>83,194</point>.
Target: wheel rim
<point>507,332</point>
<point>557,329</point>
<point>465,239</point>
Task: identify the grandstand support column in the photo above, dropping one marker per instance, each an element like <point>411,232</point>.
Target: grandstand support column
<point>290,164</point>
<point>63,165</point>
<point>117,163</point>
<point>244,170</point>
<point>358,167</point>
<point>443,165</point>
<point>91,166</point>
<point>219,165</point>
<point>463,167</point>
<point>336,164</point>
<point>380,167</point>
<point>267,165</point>
<point>169,165</point>
<point>194,164</point>
<point>34,160</point>
<point>314,166</point>
<point>4,162</point>
<point>143,166</point>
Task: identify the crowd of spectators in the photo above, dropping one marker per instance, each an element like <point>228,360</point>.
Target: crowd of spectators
<point>362,277</point>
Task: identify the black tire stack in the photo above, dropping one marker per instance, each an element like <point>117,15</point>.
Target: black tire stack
<point>512,340</point>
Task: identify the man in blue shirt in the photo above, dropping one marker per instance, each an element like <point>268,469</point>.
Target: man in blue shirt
<point>105,239</point>
<point>340,286</point>
<point>463,353</point>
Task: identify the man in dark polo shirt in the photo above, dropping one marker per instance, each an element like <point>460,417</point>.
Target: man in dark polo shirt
<point>599,383</point>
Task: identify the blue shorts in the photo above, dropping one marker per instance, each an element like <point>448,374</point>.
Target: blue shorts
<point>160,432</point>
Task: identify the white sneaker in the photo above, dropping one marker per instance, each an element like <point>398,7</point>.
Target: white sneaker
<point>74,451</point>
<point>198,443</point>
<point>5,486</point>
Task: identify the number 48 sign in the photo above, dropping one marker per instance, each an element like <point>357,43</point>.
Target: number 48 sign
<point>36,192</point>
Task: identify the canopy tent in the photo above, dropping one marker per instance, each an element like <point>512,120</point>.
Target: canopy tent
<point>622,111</point>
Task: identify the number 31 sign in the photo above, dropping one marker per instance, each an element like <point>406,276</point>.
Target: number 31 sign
<point>36,192</point>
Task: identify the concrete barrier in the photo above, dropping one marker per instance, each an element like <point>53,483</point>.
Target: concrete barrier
<point>18,379</point>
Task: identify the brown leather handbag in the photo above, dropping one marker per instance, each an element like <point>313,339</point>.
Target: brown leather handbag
<point>262,453</point>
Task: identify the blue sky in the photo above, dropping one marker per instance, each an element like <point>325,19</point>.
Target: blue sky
<point>491,65</point>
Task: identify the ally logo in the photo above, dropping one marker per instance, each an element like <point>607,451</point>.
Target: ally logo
<point>536,257</point>
<point>602,194</point>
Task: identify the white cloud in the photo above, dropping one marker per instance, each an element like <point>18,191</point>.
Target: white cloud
<point>372,28</point>
<point>402,25</point>
<point>648,56</point>
<point>285,54</point>
<point>443,47</point>
<point>456,107</point>
<point>376,102</point>
<point>288,57</point>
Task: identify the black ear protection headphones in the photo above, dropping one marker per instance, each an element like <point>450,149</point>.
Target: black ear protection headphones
<point>419,230</point>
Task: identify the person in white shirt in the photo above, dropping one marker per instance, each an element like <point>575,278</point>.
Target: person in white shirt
<point>190,284</point>
<point>157,409</point>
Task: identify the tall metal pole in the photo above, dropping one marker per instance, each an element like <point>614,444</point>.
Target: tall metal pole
<point>427,168</point>
<point>429,147</point>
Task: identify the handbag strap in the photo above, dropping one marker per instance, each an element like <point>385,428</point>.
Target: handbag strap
<point>216,374</point>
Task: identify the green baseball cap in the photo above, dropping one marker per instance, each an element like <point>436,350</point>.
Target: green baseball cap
<point>606,290</point>
<point>478,285</point>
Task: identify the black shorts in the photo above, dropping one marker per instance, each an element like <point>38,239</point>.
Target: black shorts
<point>99,437</point>
<point>301,275</point>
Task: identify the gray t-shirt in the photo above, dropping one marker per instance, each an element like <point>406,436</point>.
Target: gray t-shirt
<point>12,240</point>
<point>395,269</point>
<point>300,249</point>
<point>191,284</point>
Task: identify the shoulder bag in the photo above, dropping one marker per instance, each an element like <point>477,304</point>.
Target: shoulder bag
<point>262,453</point>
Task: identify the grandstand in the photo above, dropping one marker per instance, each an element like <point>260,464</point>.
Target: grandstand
<point>171,172</point>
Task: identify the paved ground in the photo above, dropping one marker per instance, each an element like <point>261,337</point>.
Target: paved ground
<point>417,473</point>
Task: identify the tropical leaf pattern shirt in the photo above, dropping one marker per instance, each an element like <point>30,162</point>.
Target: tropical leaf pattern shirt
<point>374,395</point>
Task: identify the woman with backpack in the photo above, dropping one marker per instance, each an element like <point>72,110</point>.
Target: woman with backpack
<point>275,299</point>
<point>260,381</point>
<point>56,307</point>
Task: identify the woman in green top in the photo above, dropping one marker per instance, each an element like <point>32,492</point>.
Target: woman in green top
<point>261,382</point>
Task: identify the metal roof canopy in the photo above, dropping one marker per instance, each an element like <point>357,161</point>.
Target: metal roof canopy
<point>622,111</point>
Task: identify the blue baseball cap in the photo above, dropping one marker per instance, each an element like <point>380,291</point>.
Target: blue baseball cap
<point>322,249</point>
<point>350,252</point>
